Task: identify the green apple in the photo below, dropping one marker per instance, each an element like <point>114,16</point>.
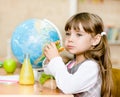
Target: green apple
<point>10,65</point>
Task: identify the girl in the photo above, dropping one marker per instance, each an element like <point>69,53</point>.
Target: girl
<point>89,73</point>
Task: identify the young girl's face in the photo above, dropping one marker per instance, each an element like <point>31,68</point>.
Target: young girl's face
<point>77,42</point>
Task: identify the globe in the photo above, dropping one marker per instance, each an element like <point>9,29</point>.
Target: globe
<point>31,36</point>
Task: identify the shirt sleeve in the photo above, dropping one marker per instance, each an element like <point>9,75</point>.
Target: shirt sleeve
<point>82,80</point>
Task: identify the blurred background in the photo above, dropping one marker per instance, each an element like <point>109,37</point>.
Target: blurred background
<point>14,12</point>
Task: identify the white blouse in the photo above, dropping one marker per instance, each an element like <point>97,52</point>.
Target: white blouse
<point>86,80</point>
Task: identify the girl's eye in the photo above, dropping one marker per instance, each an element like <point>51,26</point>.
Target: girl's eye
<point>67,34</point>
<point>79,34</point>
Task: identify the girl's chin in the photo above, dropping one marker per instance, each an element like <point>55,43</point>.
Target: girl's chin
<point>71,51</point>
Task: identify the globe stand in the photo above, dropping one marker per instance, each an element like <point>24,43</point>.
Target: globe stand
<point>37,73</point>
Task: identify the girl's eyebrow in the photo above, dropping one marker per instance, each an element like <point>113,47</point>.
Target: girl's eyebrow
<point>81,31</point>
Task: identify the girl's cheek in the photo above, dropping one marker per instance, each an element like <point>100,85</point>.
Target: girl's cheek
<point>65,44</point>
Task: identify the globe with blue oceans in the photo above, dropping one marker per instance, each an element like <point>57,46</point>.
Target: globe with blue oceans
<point>30,37</point>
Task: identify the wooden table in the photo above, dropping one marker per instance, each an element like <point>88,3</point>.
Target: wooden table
<point>15,89</point>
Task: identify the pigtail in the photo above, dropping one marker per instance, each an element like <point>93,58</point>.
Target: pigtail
<point>101,54</point>
<point>107,89</point>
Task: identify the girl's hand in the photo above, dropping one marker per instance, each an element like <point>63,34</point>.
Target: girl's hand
<point>51,51</point>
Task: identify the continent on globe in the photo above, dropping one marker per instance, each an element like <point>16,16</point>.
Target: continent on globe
<point>31,36</point>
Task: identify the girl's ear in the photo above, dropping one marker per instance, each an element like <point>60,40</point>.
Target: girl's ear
<point>96,40</point>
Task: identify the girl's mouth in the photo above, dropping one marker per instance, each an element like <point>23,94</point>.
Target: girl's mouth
<point>70,47</point>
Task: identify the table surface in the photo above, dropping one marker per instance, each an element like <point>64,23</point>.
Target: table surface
<point>36,89</point>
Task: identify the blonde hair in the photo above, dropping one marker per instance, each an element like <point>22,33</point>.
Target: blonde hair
<point>93,25</point>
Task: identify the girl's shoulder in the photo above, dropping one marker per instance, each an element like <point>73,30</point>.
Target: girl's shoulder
<point>89,63</point>
<point>86,65</point>
<point>84,62</point>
